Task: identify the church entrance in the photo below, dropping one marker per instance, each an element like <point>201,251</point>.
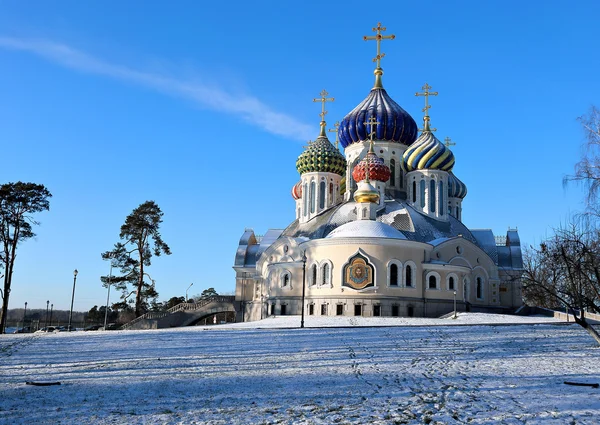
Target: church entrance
<point>358,309</point>
<point>283,309</point>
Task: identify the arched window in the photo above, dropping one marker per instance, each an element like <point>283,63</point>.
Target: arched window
<point>449,187</point>
<point>393,173</point>
<point>451,286</point>
<point>408,278</point>
<point>401,180</point>
<point>458,212</point>
<point>305,198</point>
<point>432,196</point>
<point>422,190</point>
<point>322,188</point>
<point>312,196</point>
<point>479,288</point>
<point>286,280</point>
<point>325,274</point>
<point>414,192</point>
<point>393,275</point>
<point>313,280</point>
<point>432,282</point>
<point>365,213</point>
<point>330,194</point>
<point>441,195</point>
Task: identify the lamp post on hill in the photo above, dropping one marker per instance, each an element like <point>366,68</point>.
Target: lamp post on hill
<point>186,292</point>
<point>51,309</point>
<point>72,299</point>
<point>454,305</point>
<point>47,305</point>
<point>24,314</point>
<point>303,285</point>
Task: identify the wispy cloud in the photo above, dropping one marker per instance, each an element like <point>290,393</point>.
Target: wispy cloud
<point>247,107</point>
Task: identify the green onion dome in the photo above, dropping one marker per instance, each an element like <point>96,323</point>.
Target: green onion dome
<point>427,153</point>
<point>456,188</point>
<point>321,156</point>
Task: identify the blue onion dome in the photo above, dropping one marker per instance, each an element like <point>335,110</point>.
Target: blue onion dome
<point>322,156</point>
<point>456,188</point>
<point>395,124</point>
<point>427,153</point>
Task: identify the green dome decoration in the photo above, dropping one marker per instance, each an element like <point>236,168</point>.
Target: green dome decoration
<point>321,156</point>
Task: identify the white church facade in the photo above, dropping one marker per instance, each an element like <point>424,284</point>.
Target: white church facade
<point>377,230</point>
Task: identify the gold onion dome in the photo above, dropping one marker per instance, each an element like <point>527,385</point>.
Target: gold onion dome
<point>322,156</point>
<point>366,192</point>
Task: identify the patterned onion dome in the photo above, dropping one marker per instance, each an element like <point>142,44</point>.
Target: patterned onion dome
<point>395,124</point>
<point>322,156</point>
<point>343,183</point>
<point>456,188</point>
<point>297,191</point>
<point>428,153</point>
<point>377,169</point>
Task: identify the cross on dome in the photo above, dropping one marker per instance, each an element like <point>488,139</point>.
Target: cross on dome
<point>378,38</point>
<point>323,99</point>
<point>426,93</point>
<point>448,142</point>
<point>335,130</point>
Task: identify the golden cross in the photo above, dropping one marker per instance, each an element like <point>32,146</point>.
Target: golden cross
<point>448,142</point>
<point>335,130</point>
<point>310,142</point>
<point>323,99</point>
<point>378,38</point>
<point>372,121</point>
<point>427,93</point>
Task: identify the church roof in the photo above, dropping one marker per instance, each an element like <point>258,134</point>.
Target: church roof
<point>366,229</point>
<point>395,124</point>
<point>396,213</point>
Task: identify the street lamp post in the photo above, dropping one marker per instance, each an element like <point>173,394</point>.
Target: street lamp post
<point>47,305</point>
<point>72,299</point>
<point>108,294</point>
<point>186,292</point>
<point>51,309</point>
<point>454,305</point>
<point>303,286</point>
<point>24,314</point>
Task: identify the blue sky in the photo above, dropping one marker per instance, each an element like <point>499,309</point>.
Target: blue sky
<point>204,107</point>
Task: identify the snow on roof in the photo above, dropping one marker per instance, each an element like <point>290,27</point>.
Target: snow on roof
<point>366,229</point>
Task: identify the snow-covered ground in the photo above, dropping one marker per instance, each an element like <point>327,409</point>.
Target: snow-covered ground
<point>382,375</point>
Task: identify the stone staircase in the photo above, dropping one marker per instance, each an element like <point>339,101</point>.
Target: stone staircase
<point>183,314</point>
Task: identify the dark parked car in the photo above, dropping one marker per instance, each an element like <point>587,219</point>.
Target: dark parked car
<point>93,328</point>
<point>24,330</point>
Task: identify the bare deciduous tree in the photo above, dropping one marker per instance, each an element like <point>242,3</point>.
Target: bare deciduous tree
<point>565,271</point>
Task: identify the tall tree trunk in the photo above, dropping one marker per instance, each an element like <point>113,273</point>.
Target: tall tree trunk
<point>5,296</point>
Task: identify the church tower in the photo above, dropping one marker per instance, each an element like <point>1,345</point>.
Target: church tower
<point>395,132</point>
<point>428,163</point>
<point>321,167</point>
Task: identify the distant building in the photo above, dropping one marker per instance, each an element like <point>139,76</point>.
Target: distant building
<point>378,230</point>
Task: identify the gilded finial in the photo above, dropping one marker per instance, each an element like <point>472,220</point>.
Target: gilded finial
<point>378,38</point>
<point>426,119</point>
<point>448,142</point>
<point>335,130</point>
<point>323,99</point>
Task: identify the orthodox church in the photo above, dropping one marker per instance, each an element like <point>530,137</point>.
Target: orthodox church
<point>378,229</point>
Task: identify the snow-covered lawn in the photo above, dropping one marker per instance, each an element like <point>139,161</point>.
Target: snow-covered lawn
<point>382,375</point>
